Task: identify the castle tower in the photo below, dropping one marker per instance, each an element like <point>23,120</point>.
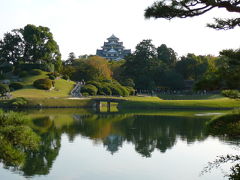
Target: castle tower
<point>113,49</point>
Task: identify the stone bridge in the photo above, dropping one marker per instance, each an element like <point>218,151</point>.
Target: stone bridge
<point>98,102</point>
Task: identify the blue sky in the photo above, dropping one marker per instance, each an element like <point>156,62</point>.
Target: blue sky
<point>81,26</point>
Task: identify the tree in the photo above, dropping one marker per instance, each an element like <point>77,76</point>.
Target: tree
<point>140,66</point>
<point>39,44</point>
<point>31,45</point>
<point>71,58</point>
<point>11,47</point>
<point>169,9</point>
<point>167,55</point>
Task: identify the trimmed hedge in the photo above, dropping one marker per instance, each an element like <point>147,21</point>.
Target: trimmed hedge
<point>45,84</point>
<point>90,89</point>
<point>108,88</point>
<point>15,86</point>
<point>234,94</point>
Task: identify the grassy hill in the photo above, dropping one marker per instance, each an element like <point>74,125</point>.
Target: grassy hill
<point>62,88</point>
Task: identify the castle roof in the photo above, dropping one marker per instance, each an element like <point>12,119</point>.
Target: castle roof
<point>113,37</point>
<point>112,51</point>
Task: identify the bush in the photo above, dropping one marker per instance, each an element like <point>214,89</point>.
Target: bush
<point>234,94</point>
<point>85,94</point>
<point>23,74</point>
<point>66,77</point>
<point>45,84</point>
<point>56,74</point>
<point>131,90</point>
<point>124,91</point>
<point>36,72</point>
<point>4,89</point>
<point>96,84</point>
<point>51,77</point>
<point>90,89</point>
<point>105,91</point>
<point>15,86</point>
<point>115,90</point>
<point>48,67</point>
<point>18,102</point>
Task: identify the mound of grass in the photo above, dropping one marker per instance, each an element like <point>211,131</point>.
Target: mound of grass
<point>62,88</point>
<point>228,124</point>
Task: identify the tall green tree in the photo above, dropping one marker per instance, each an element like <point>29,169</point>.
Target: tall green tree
<point>169,9</point>
<point>140,65</point>
<point>30,45</point>
<point>39,45</point>
<point>167,55</point>
<point>11,47</point>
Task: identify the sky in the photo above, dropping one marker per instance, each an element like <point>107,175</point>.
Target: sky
<point>82,26</point>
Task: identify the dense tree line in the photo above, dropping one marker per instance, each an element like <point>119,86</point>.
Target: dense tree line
<point>147,68</point>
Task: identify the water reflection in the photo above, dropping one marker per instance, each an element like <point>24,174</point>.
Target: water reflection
<point>147,133</point>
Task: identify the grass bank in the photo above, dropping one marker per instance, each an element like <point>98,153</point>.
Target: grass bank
<point>157,103</point>
<point>62,88</point>
<point>228,124</point>
<point>134,102</point>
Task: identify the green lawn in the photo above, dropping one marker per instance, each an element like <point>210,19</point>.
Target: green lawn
<point>157,103</point>
<point>62,88</point>
<point>189,97</point>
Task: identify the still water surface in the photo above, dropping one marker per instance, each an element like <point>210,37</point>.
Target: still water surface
<point>80,144</point>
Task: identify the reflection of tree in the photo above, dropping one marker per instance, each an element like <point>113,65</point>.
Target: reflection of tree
<point>15,139</point>
<point>234,170</point>
<point>40,162</point>
<point>147,133</point>
<point>160,132</point>
<point>113,142</point>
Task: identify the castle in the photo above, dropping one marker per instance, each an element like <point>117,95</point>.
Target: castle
<point>113,49</point>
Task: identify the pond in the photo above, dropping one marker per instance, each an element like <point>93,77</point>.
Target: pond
<point>81,144</point>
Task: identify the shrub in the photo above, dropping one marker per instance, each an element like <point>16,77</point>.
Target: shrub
<point>115,90</point>
<point>56,74</point>
<point>51,77</point>
<point>96,84</point>
<point>234,94</point>
<point>124,91</point>
<point>90,89</point>
<point>4,89</point>
<point>48,67</point>
<point>23,74</point>
<point>128,82</point>
<point>131,90</point>
<point>85,94</point>
<point>36,72</point>
<point>18,102</point>
<point>45,84</point>
<point>105,91</point>
<point>66,77</point>
<point>15,86</point>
